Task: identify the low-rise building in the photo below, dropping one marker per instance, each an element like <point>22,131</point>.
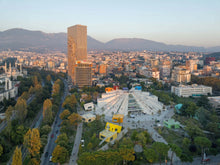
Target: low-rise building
<point>171,123</point>
<point>107,135</point>
<point>89,106</point>
<point>117,118</point>
<point>215,102</point>
<point>88,117</point>
<point>110,132</point>
<point>191,90</point>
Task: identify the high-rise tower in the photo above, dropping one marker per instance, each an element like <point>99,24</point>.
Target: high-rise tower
<point>77,48</point>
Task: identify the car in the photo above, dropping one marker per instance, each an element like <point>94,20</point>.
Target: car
<point>206,160</point>
<point>46,154</point>
<point>57,131</point>
<point>52,135</point>
<point>50,159</point>
<point>59,125</point>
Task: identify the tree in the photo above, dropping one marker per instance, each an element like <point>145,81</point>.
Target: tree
<point>161,149</point>
<point>186,142</point>
<point>141,138</point>
<point>21,109</point>
<point>186,158</point>
<point>17,157</point>
<point>31,90</point>
<point>151,155</point>
<point>59,154</point>
<point>70,102</point>
<point>126,143</point>
<point>9,113</point>
<point>62,140</point>
<point>56,88</point>
<point>176,149</point>
<point>18,134</point>
<point>95,95</point>
<point>203,143</point>
<point>89,146</point>
<point>45,130</point>
<point>74,119</point>
<point>1,150</point>
<point>48,78</point>
<point>191,109</point>
<point>25,95</point>
<point>127,154</point>
<point>193,130</point>
<point>38,88</point>
<point>35,161</point>
<point>134,135</point>
<point>47,111</point>
<point>32,142</point>
<point>35,80</point>
<point>204,101</point>
<point>65,114</point>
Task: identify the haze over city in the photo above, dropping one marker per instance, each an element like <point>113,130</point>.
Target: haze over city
<point>194,23</point>
<point>109,82</point>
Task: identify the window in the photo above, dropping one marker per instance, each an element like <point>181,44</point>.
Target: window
<point>111,138</point>
<point>102,137</point>
<point>116,129</point>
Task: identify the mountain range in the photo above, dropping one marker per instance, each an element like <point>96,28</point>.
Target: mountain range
<point>21,39</point>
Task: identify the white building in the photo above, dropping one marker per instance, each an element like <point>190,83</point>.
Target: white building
<point>10,89</point>
<point>89,106</point>
<point>191,90</point>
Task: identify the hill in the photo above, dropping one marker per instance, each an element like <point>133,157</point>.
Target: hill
<point>21,39</point>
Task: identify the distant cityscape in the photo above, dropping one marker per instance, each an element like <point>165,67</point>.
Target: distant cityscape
<point>116,106</point>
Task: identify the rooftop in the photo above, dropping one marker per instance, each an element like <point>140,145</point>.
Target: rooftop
<point>192,86</point>
<point>171,122</point>
<point>107,133</point>
<point>216,99</point>
<point>88,115</point>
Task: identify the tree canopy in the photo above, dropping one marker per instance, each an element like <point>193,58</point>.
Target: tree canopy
<point>59,154</point>
<point>17,157</point>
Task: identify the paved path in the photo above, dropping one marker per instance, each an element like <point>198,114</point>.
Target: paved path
<point>74,154</point>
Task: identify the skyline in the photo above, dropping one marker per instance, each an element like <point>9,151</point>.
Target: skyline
<point>187,23</point>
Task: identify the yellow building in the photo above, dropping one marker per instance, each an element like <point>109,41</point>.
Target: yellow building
<point>107,135</point>
<point>117,118</point>
<point>113,127</point>
<point>110,132</point>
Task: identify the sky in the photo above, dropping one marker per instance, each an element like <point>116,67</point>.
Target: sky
<point>185,22</point>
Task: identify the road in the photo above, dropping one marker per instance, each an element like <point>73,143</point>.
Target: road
<point>54,132</point>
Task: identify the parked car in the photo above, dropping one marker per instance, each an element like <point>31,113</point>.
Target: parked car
<point>50,158</point>
<point>52,136</point>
